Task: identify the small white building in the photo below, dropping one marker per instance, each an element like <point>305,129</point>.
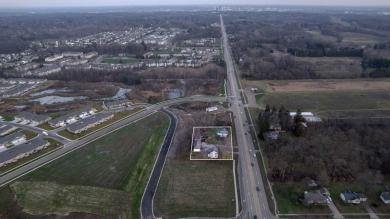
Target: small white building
<point>223,133</point>
<point>213,155</point>
<point>211,109</point>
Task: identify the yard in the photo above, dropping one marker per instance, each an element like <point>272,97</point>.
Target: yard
<point>110,171</point>
<point>195,189</point>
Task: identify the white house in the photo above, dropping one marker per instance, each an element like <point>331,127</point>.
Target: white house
<point>213,155</point>
<point>223,133</point>
<point>210,109</point>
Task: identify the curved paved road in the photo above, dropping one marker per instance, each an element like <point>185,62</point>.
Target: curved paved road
<point>147,198</point>
<point>74,145</point>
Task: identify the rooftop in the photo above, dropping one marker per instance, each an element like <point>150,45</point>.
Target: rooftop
<point>21,149</point>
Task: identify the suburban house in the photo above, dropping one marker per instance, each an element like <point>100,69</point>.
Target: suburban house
<point>309,117</point>
<point>54,58</point>
<point>315,197</point>
<point>350,197</point>
<point>12,139</point>
<point>32,118</point>
<point>5,130</point>
<point>213,155</point>
<point>272,135</point>
<point>385,196</point>
<point>89,122</point>
<point>71,117</point>
<point>210,109</point>
<point>223,133</point>
<point>117,103</point>
<point>22,150</point>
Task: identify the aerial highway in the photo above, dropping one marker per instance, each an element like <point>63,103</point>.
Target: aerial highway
<point>254,199</point>
<point>73,145</point>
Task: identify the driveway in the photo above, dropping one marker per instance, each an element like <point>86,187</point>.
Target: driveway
<point>335,211</point>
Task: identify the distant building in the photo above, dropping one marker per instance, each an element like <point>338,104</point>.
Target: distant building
<point>309,117</point>
<point>213,155</point>
<point>210,109</point>
<point>385,197</point>
<point>72,117</point>
<point>5,130</point>
<point>90,55</point>
<point>117,103</point>
<point>32,117</point>
<point>223,133</point>
<point>54,58</point>
<point>320,196</point>
<point>12,139</point>
<point>89,122</point>
<point>46,70</point>
<point>350,197</point>
<point>22,150</point>
<point>73,54</point>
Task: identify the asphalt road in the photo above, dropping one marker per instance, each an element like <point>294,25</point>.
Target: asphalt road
<point>147,198</point>
<point>71,146</point>
<point>254,200</point>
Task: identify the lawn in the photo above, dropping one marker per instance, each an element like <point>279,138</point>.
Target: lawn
<point>195,189</point>
<point>113,169</point>
<point>29,134</point>
<point>289,196</point>
<point>337,100</point>
<point>117,116</point>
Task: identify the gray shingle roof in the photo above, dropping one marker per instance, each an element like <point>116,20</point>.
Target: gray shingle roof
<point>21,149</point>
<point>11,137</point>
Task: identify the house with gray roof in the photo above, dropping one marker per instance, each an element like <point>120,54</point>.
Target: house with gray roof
<point>320,196</point>
<point>89,122</point>
<point>13,154</point>
<point>71,117</point>
<point>12,139</point>
<point>32,117</point>
<point>385,197</point>
<point>117,103</point>
<point>5,130</point>
<point>351,197</point>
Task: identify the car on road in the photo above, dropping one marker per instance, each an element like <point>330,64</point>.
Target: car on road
<point>152,192</point>
<point>257,188</point>
<point>45,133</point>
<point>254,155</point>
<point>252,164</point>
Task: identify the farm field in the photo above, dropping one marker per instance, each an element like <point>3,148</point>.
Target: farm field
<point>111,171</point>
<point>325,101</point>
<point>188,188</point>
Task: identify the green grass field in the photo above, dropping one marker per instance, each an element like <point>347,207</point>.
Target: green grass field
<point>113,169</point>
<point>195,189</point>
<point>337,100</point>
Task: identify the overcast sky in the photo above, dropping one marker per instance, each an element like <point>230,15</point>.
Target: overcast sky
<point>57,3</point>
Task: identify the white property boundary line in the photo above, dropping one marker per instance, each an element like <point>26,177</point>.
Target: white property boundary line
<point>154,165</point>
<point>211,127</point>
<point>78,147</point>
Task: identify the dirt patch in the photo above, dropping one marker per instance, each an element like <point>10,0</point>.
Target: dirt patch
<point>327,85</point>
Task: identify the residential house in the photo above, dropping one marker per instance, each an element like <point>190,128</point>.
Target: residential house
<point>210,109</point>
<point>72,117</point>
<point>385,197</point>
<point>351,197</point>
<point>320,196</point>
<point>213,155</point>
<point>117,103</point>
<point>89,122</point>
<point>12,139</point>
<point>22,150</point>
<point>223,133</point>
<point>54,58</point>
<point>32,118</point>
<point>5,130</point>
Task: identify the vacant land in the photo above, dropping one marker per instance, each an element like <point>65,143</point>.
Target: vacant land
<point>325,95</point>
<point>334,67</point>
<point>282,86</point>
<point>337,100</point>
<point>191,188</point>
<point>361,39</point>
<point>113,169</point>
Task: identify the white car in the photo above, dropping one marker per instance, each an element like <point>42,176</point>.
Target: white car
<point>45,133</point>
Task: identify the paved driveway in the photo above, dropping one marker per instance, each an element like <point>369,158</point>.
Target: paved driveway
<point>335,211</point>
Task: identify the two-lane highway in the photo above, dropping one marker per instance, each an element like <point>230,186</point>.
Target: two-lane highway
<point>253,196</point>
